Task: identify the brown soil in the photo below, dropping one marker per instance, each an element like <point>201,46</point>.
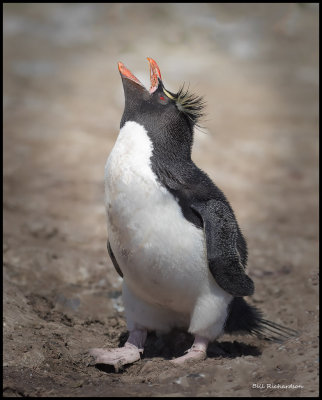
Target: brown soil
<point>257,66</point>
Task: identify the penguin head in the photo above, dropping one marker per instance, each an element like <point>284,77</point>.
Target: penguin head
<point>169,118</point>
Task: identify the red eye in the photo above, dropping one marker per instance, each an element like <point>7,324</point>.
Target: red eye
<point>161,98</point>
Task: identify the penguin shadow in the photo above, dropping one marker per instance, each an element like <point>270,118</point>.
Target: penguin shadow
<point>175,343</point>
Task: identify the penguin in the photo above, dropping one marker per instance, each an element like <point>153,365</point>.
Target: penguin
<point>172,234</point>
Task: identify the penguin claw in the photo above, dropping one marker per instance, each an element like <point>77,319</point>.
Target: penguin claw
<point>117,357</point>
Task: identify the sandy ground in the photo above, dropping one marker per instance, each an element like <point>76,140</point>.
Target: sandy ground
<point>257,66</point>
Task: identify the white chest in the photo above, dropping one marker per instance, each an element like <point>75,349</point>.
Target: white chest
<point>160,253</point>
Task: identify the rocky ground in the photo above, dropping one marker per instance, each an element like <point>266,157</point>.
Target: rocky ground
<point>257,66</point>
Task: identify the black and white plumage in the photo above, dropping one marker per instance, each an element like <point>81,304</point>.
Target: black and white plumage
<point>172,234</point>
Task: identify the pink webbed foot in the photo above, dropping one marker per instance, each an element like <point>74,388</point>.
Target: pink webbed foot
<point>197,352</point>
<point>120,356</point>
<point>117,357</point>
<point>192,355</point>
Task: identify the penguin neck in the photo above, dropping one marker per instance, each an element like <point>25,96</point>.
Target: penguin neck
<point>171,146</point>
<point>167,155</point>
<point>171,142</point>
<point>171,154</point>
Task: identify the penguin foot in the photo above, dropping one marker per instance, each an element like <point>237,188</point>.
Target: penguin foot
<point>192,355</point>
<point>197,352</point>
<point>118,356</point>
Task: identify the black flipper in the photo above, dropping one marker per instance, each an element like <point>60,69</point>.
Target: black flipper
<point>244,318</point>
<point>116,266</point>
<point>224,260</point>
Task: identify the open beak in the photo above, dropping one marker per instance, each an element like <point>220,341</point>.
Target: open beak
<point>155,74</point>
<point>126,73</point>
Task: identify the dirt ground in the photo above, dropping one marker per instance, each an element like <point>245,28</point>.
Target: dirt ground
<point>257,67</point>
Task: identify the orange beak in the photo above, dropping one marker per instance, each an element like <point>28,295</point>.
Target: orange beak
<point>128,74</point>
<point>155,74</point>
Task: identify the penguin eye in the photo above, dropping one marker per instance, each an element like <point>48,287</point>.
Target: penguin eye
<point>162,100</point>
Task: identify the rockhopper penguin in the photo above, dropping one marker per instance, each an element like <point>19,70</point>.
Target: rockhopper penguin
<point>172,234</point>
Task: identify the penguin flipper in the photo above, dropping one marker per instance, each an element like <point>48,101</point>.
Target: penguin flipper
<point>220,229</point>
<point>111,254</point>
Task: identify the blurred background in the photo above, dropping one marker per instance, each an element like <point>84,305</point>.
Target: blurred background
<point>256,66</point>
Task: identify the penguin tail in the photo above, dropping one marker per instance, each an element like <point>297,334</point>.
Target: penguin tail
<point>244,318</point>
